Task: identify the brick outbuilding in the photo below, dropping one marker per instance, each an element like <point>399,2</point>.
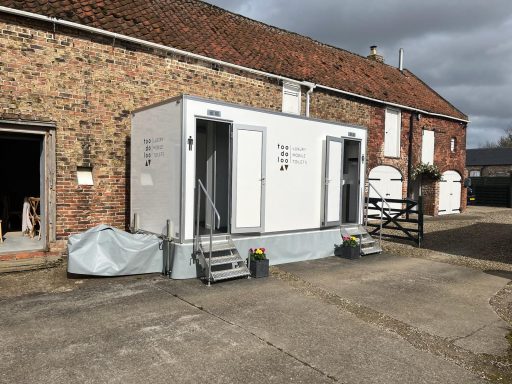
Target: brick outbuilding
<point>72,73</point>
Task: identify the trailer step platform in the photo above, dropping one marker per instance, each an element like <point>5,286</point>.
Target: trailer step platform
<point>368,244</point>
<point>219,259</point>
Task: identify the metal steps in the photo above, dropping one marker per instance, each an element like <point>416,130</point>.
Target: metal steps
<point>221,260</point>
<point>368,244</point>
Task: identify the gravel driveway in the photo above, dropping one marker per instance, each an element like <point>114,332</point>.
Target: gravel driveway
<point>481,238</point>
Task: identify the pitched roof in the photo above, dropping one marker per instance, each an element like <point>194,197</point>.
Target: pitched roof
<point>489,156</point>
<point>207,30</point>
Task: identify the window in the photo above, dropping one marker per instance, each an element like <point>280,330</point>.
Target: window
<point>84,175</point>
<point>474,173</point>
<point>427,147</point>
<point>291,98</point>
<point>392,127</point>
<point>453,144</point>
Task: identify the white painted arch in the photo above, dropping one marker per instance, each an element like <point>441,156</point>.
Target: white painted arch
<point>388,181</point>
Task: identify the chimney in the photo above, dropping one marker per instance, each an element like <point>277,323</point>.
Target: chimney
<point>374,55</point>
<point>401,59</point>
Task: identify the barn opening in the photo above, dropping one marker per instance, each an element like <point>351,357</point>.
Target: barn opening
<point>21,191</point>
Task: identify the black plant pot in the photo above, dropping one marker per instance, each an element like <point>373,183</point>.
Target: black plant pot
<point>259,268</point>
<point>347,252</point>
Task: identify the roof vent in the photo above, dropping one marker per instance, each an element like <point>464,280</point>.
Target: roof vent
<point>374,55</point>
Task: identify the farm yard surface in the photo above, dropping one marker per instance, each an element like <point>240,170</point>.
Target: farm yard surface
<point>441,314</point>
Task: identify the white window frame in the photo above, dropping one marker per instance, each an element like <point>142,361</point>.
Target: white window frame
<point>474,173</point>
<point>291,91</point>
<point>453,144</point>
<point>424,154</point>
<point>395,154</point>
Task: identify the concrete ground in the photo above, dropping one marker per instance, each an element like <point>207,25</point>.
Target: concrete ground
<point>380,319</point>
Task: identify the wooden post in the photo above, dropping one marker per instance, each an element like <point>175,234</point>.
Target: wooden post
<point>420,220</point>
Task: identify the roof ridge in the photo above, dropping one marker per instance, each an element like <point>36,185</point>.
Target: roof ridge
<point>201,28</point>
<point>436,93</point>
<point>283,30</point>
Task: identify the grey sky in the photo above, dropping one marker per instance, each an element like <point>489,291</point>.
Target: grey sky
<point>461,48</point>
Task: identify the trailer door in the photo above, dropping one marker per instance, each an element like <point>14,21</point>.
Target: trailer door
<point>248,181</point>
<point>333,181</point>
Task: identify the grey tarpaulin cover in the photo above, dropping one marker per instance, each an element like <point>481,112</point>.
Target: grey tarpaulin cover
<point>108,251</point>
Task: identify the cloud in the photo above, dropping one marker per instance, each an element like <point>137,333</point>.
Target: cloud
<point>461,48</point>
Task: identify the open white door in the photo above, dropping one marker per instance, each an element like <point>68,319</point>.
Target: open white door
<point>333,181</point>
<point>248,179</point>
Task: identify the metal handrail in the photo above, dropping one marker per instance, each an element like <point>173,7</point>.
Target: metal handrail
<point>383,200</point>
<point>214,213</point>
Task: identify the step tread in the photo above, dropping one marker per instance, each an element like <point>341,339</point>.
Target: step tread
<point>217,246</point>
<point>230,273</point>
<point>228,259</point>
<point>371,250</point>
<point>368,240</point>
<point>353,230</point>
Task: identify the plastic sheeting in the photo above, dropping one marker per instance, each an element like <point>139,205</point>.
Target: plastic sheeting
<point>108,251</point>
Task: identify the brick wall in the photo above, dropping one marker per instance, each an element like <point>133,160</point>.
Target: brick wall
<point>492,170</point>
<point>88,85</point>
<point>430,191</point>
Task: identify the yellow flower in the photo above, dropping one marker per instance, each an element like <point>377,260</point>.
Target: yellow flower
<point>259,252</point>
<point>353,238</point>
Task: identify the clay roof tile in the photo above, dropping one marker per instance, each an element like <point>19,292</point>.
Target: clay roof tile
<point>201,28</point>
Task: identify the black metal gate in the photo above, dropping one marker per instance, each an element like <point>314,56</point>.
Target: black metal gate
<point>403,220</point>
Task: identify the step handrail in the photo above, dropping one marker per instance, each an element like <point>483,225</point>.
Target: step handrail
<point>214,212</point>
<point>383,201</point>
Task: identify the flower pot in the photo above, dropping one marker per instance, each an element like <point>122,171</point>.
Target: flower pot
<point>347,252</point>
<point>259,268</point>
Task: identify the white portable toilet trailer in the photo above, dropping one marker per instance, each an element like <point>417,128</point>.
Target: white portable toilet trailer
<point>279,181</point>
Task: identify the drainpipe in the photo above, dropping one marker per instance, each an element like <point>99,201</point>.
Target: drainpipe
<point>409,164</point>
<point>308,95</point>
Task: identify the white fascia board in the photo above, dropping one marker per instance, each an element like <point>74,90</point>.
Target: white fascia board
<point>209,59</point>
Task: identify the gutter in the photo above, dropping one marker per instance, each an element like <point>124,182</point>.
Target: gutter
<point>165,48</point>
<point>393,104</point>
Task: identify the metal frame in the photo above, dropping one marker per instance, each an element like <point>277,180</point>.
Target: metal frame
<point>359,166</point>
<point>326,198</point>
<point>263,130</point>
<point>214,212</point>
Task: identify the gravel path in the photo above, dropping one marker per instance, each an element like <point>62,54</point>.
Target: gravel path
<point>480,238</point>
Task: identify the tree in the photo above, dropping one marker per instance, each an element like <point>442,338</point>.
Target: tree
<point>504,141</point>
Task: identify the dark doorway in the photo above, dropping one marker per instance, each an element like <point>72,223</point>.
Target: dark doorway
<point>21,168</point>
<point>351,181</point>
<point>213,149</point>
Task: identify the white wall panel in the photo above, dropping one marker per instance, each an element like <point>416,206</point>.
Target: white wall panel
<point>156,167</point>
<point>294,163</point>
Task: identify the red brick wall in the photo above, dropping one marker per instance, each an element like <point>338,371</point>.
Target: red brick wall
<point>88,85</point>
